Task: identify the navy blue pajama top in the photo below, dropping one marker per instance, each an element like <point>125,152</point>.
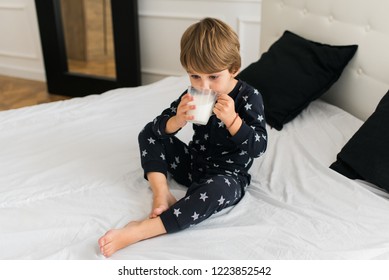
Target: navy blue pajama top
<point>214,150</point>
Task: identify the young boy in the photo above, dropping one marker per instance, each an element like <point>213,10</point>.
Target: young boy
<point>214,166</point>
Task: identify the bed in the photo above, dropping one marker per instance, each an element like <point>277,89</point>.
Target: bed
<point>70,170</point>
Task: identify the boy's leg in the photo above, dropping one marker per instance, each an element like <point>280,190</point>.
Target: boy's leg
<point>162,197</point>
<point>203,199</point>
<point>158,157</point>
<point>133,232</point>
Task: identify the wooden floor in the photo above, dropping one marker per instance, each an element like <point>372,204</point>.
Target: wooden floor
<point>16,93</point>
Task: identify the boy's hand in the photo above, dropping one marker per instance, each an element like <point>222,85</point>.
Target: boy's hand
<point>180,119</point>
<point>225,109</point>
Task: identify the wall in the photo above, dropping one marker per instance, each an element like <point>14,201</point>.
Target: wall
<point>162,23</point>
<point>20,51</point>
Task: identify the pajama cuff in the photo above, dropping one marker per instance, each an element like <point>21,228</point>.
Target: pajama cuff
<point>169,221</point>
<point>154,166</point>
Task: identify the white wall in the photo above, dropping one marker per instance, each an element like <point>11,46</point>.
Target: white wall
<point>20,50</point>
<point>162,23</point>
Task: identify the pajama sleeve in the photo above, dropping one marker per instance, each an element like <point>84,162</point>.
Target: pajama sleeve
<point>252,135</point>
<point>159,123</point>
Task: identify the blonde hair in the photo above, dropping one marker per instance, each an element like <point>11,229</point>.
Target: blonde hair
<point>210,46</point>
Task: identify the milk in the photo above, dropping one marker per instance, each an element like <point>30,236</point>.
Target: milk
<point>204,100</point>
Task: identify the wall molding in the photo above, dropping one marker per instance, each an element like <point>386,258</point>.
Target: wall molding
<point>18,55</point>
<point>22,72</point>
<point>161,72</point>
<point>243,23</point>
<point>168,16</point>
<point>12,6</point>
<point>229,1</point>
<point>173,16</point>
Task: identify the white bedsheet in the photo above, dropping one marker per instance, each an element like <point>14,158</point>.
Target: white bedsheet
<point>70,170</point>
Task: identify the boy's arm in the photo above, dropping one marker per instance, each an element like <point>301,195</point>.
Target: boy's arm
<point>252,131</point>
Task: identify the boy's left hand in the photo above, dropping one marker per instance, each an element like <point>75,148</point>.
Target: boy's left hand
<point>224,109</point>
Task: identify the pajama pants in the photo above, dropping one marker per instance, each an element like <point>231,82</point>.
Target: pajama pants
<point>208,192</point>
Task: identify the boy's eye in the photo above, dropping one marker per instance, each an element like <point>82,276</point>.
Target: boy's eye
<point>213,77</point>
<point>194,76</point>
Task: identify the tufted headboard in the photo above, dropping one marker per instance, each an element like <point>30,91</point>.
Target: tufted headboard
<point>340,22</point>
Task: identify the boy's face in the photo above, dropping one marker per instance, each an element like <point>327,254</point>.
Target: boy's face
<point>222,82</point>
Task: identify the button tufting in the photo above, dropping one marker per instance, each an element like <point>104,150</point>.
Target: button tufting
<point>305,11</point>
<point>360,71</point>
<point>330,18</point>
<point>367,28</point>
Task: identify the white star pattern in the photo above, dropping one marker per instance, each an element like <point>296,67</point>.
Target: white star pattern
<point>177,159</point>
<point>195,216</point>
<point>256,92</point>
<point>144,153</point>
<point>245,98</point>
<point>177,212</point>
<point>162,156</point>
<point>257,138</point>
<point>227,182</point>
<point>203,196</point>
<point>206,136</point>
<point>221,124</point>
<point>151,140</point>
<point>202,148</point>
<point>221,201</point>
<point>260,118</point>
<point>173,165</point>
<point>209,181</point>
<point>248,106</point>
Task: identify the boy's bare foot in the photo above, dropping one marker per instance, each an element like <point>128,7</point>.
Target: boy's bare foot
<point>161,202</point>
<point>116,239</point>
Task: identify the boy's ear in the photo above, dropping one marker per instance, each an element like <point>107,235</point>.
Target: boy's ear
<point>234,73</point>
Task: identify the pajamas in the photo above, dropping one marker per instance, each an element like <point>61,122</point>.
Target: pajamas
<point>213,166</point>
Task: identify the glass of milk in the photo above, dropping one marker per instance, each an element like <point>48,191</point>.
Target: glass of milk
<point>204,99</point>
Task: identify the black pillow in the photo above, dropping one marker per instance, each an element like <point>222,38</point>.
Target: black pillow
<point>366,155</point>
<point>294,72</point>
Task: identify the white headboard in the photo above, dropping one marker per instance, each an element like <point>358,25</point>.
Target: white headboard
<point>339,22</point>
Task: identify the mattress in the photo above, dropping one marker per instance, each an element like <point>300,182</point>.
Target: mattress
<point>70,171</point>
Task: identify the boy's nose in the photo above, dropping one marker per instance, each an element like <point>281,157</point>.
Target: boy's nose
<point>205,85</point>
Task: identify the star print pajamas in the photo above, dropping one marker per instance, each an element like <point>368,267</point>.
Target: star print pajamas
<point>213,166</point>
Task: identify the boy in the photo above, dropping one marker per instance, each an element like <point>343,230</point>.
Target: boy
<point>214,166</point>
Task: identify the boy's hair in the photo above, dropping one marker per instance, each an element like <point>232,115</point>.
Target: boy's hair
<point>210,46</point>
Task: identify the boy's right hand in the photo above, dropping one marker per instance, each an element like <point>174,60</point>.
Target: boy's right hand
<point>181,118</point>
